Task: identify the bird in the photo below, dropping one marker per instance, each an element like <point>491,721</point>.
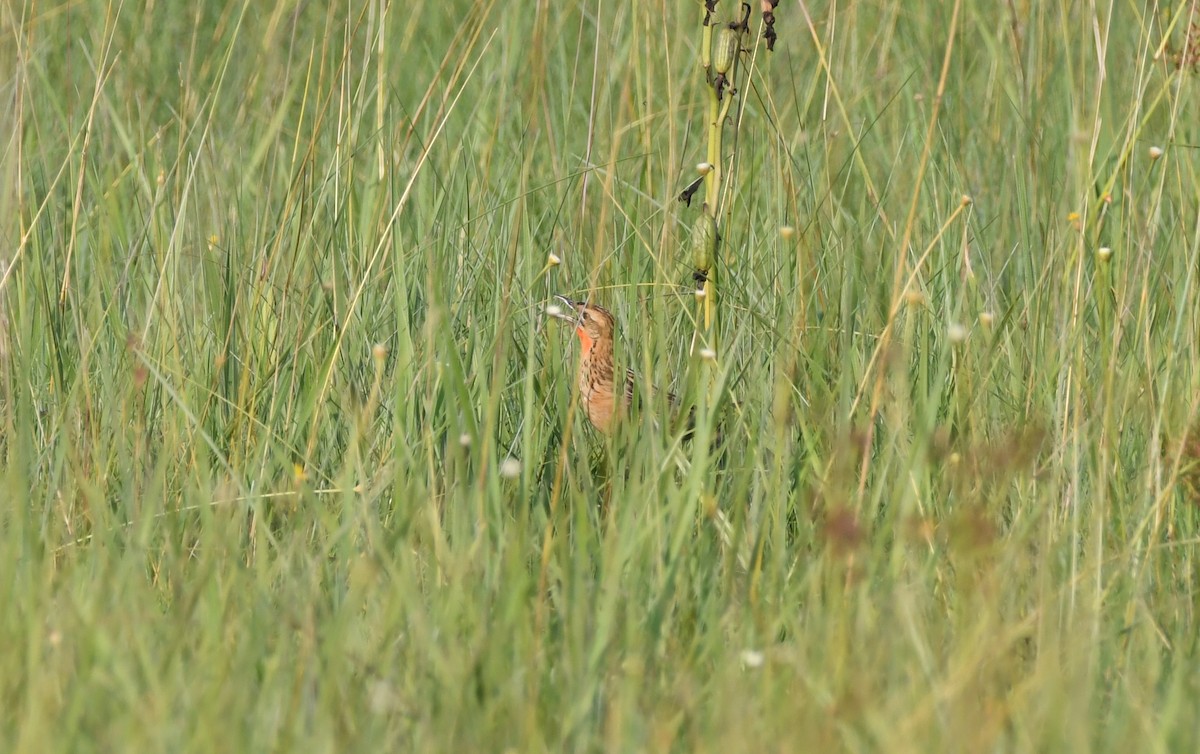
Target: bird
<point>597,328</point>
<point>596,375</point>
<point>603,401</point>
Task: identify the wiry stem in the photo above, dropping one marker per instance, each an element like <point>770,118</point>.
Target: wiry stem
<point>719,79</point>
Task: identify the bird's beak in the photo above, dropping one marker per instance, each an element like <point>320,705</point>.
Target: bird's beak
<point>565,310</point>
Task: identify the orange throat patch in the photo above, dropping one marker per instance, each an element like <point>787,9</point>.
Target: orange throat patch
<point>585,340</point>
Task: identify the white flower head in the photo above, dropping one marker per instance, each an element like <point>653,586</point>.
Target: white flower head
<point>510,468</point>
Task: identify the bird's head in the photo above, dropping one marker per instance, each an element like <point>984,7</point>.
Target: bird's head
<point>593,323</point>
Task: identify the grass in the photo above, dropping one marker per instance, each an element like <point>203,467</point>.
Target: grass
<point>292,459</point>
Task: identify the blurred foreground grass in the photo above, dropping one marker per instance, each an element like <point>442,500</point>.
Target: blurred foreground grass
<point>290,459</point>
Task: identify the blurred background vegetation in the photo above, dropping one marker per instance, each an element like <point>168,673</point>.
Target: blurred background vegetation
<point>291,457</point>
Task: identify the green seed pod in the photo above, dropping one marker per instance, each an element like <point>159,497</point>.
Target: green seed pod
<point>725,49</point>
<point>704,241</point>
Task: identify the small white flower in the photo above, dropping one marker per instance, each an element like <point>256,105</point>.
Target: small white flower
<point>382,698</point>
<point>552,259</point>
<point>554,310</point>
<point>464,440</point>
<point>752,658</point>
<point>510,468</point>
<point>956,333</point>
<point>787,231</point>
<point>1104,253</point>
<point>704,168</point>
<point>1155,153</point>
<point>708,354</point>
<point>986,319</point>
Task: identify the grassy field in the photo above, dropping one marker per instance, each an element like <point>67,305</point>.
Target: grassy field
<point>292,460</point>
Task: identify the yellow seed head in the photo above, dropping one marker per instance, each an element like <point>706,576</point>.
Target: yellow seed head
<point>704,241</point>
<point>725,50</point>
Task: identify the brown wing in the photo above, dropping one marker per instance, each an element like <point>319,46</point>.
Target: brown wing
<point>673,403</point>
<point>631,389</point>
